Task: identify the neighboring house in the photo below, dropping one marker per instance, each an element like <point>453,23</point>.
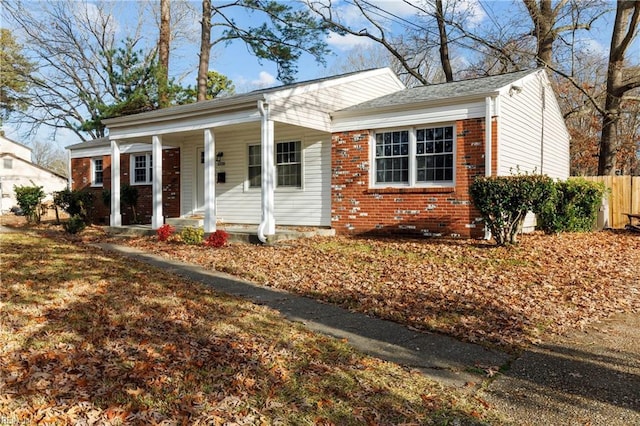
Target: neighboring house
<point>16,169</point>
<point>359,153</point>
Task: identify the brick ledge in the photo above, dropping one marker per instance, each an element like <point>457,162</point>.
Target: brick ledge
<point>450,190</point>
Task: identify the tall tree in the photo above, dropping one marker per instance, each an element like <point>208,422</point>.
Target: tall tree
<point>620,81</point>
<point>15,73</point>
<point>285,33</point>
<point>164,42</point>
<point>205,49</point>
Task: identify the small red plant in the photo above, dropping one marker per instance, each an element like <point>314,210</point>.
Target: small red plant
<point>216,239</point>
<point>165,231</point>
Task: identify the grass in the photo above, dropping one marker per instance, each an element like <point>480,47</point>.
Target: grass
<point>90,337</point>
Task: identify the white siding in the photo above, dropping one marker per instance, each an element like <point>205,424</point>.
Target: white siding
<point>24,173</point>
<point>410,116</point>
<point>19,150</point>
<point>310,108</point>
<point>309,206</point>
<point>532,135</point>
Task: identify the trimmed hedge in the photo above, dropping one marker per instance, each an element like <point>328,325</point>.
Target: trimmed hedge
<point>574,207</point>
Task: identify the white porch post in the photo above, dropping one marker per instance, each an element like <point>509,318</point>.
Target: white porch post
<point>156,187</point>
<point>268,224</point>
<point>209,181</point>
<point>116,218</point>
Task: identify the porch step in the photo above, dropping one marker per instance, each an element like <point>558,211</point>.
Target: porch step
<point>183,222</point>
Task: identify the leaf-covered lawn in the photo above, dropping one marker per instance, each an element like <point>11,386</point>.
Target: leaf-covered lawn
<point>506,296</point>
<point>92,338</point>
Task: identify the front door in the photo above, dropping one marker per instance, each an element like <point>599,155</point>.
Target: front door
<point>200,179</point>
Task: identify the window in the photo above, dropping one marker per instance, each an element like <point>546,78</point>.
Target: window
<point>96,174</point>
<point>7,163</point>
<point>255,166</point>
<point>392,157</point>
<point>141,168</point>
<point>434,154</point>
<point>289,164</point>
<point>420,157</point>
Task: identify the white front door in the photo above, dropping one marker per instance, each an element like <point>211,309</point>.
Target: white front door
<point>200,179</point>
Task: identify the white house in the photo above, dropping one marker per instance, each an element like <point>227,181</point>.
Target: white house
<point>358,152</point>
<point>16,169</point>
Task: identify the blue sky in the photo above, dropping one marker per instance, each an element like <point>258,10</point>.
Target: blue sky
<point>247,73</point>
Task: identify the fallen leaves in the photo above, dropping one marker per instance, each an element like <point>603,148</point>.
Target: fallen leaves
<point>87,338</point>
<point>509,296</point>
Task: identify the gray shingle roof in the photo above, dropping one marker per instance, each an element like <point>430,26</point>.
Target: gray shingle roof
<point>442,91</point>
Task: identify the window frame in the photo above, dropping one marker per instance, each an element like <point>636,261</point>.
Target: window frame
<point>94,181</point>
<point>278,187</point>
<point>412,181</point>
<point>148,168</point>
<point>258,166</point>
<point>7,161</point>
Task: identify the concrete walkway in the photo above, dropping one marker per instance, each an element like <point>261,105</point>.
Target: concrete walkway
<point>439,357</point>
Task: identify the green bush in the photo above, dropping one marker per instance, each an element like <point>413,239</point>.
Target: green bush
<point>504,201</point>
<point>77,202</point>
<point>129,196</point>
<point>74,225</point>
<point>574,207</point>
<point>193,236</point>
<point>29,199</point>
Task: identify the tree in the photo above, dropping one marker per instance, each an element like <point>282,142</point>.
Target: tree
<point>49,156</point>
<point>164,41</point>
<point>285,33</point>
<point>620,81</point>
<point>15,71</point>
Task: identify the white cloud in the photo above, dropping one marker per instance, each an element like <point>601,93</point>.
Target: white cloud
<point>347,42</point>
<point>264,80</point>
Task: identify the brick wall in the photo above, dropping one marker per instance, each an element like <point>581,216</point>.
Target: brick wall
<point>81,173</point>
<point>357,209</point>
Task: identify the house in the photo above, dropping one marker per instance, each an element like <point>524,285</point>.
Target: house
<point>359,153</point>
<point>16,169</point>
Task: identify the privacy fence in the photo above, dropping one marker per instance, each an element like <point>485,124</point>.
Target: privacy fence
<point>623,197</point>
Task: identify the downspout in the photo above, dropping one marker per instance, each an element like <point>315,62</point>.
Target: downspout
<point>487,148</point>
<point>266,140</point>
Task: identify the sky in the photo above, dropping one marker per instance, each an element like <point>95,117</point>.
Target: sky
<point>247,73</point>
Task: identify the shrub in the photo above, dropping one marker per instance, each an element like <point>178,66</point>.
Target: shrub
<point>504,201</point>
<point>74,225</point>
<point>216,239</point>
<point>165,231</point>
<point>192,236</point>
<point>77,202</point>
<point>29,199</point>
<point>574,207</point>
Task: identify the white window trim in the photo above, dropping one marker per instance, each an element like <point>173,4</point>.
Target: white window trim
<point>412,183</point>
<point>277,188</point>
<point>132,171</point>
<point>93,172</point>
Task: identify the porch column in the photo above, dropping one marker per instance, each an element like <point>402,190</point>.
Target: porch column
<point>268,223</point>
<point>209,181</point>
<point>116,217</point>
<point>156,188</point>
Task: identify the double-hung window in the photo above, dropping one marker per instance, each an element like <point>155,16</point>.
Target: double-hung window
<point>421,156</point>
<point>255,166</point>
<point>288,165</point>
<point>96,172</point>
<point>141,168</point>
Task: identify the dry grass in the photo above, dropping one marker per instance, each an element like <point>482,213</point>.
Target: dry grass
<point>87,337</point>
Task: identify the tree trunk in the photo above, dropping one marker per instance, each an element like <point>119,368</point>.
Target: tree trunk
<point>163,53</point>
<point>544,19</point>
<point>624,29</point>
<point>205,49</point>
<point>444,42</point>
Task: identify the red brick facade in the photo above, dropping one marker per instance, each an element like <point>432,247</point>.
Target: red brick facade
<point>358,209</point>
<point>81,175</point>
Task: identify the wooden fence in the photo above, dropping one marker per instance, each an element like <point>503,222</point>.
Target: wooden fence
<point>623,197</point>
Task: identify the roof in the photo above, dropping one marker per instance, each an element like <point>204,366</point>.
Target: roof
<point>87,144</point>
<point>482,86</point>
<point>227,103</point>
